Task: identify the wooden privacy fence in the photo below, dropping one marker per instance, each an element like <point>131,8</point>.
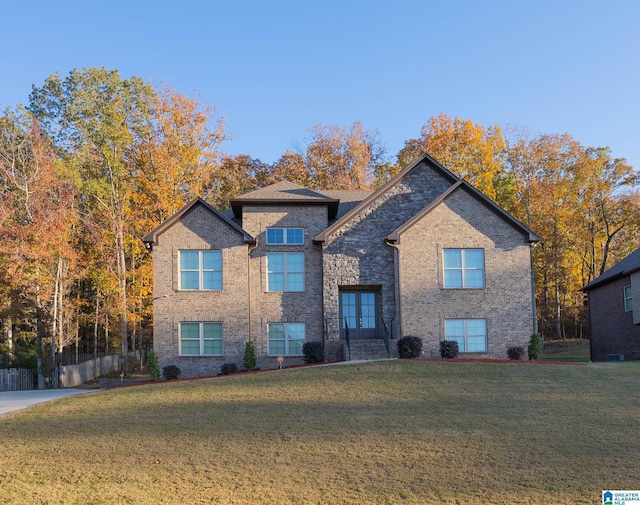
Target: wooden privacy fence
<point>74,375</point>
<point>17,379</point>
<point>22,379</point>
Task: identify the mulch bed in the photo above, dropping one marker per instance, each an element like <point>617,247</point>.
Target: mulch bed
<point>117,383</point>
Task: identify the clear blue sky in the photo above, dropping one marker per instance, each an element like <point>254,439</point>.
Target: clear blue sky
<point>276,68</point>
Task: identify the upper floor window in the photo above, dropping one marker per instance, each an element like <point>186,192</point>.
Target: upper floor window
<point>286,339</point>
<point>290,236</point>
<point>628,299</point>
<point>201,339</point>
<point>201,270</point>
<point>285,272</point>
<point>463,268</point>
<point>471,334</point>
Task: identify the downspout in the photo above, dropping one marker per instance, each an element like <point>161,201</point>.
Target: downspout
<point>533,290</point>
<point>250,247</point>
<point>398,290</point>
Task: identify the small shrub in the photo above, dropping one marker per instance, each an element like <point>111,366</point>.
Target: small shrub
<point>171,372</point>
<point>535,346</point>
<point>228,368</point>
<point>313,352</point>
<point>153,367</point>
<point>409,347</point>
<point>249,362</point>
<point>449,348</point>
<point>515,352</point>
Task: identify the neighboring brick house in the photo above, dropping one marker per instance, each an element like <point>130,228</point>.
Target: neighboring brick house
<point>425,255</point>
<point>614,311</point>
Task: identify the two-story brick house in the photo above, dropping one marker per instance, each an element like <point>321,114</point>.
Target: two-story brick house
<point>425,255</point>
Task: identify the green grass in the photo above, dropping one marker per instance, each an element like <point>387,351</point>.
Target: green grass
<point>566,350</point>
<point>385,432</point>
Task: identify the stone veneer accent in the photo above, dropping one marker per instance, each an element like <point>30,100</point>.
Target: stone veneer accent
<point>356,254</point>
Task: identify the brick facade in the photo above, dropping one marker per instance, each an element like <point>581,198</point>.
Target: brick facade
<point>358,253</point>
<point>505,302</point>
<point>288,307</point>
<point>196,230</point>
<point>612,328</point>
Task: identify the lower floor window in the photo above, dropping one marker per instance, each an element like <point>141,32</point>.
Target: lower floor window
<point>286,339</point>
<point>201,339</point>
<point>471,334</point>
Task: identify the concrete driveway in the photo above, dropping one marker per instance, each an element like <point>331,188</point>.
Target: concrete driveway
<point>10,401</point>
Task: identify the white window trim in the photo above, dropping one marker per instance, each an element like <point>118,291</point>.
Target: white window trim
<point>285,273</point>
<point>628,298</point>
<point>286,339</point>
<point>465,320</point>
<point>200,270</point>
<point>463,268</point>
<point>201,338</point>
<point>284,236</point>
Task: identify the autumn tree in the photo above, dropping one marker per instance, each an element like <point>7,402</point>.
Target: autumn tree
<point>37,219</point>
<point>233,176</point>
<point>291,167</point>
<point>175,158</point>
<point>95,116</point>
<point>471,151</point>
<point>577,199</point>
<point>337,158</point>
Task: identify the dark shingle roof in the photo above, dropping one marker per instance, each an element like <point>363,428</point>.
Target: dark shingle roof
<point>622,268</point>
<point>280,191</point>
<point>338,202</point>
<point>348,198</point>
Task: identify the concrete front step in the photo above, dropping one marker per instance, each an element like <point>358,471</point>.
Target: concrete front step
<point>366,349</point>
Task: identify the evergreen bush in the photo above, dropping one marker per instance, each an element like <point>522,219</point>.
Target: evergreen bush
<point>535,346</point>
<point>171,372</point>
<point>313,352</point>
<point>515,352</point>
<point>153,367</point>
<point>228,368</point>
<point>409,347</point>
<point>449,348</point>
<point>249,362</point>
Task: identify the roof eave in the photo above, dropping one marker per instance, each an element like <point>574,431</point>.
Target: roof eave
<point>331,203</point>
<point>151,238</point>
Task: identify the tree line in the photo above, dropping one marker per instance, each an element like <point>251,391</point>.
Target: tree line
<point>94,161</point>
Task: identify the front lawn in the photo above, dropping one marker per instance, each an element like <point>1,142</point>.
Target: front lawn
<point>384,432</point>
<point>566,350</point>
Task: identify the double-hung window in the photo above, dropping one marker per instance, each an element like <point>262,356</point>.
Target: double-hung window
<point>282,236</point>
<point>471,334</point>
<point>286,339</point>
<point>201,339</point>
<point>628,299</point>
<point>463,268</point>
<point>201,270</point>
<point>285,272</point>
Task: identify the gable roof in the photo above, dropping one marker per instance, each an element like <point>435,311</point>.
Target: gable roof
<point>285,193</point>
<point>622,268</point>
<point>348,198</point>
<point>463,185</point>
<point>456,182</point>
<point>151,238</point>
